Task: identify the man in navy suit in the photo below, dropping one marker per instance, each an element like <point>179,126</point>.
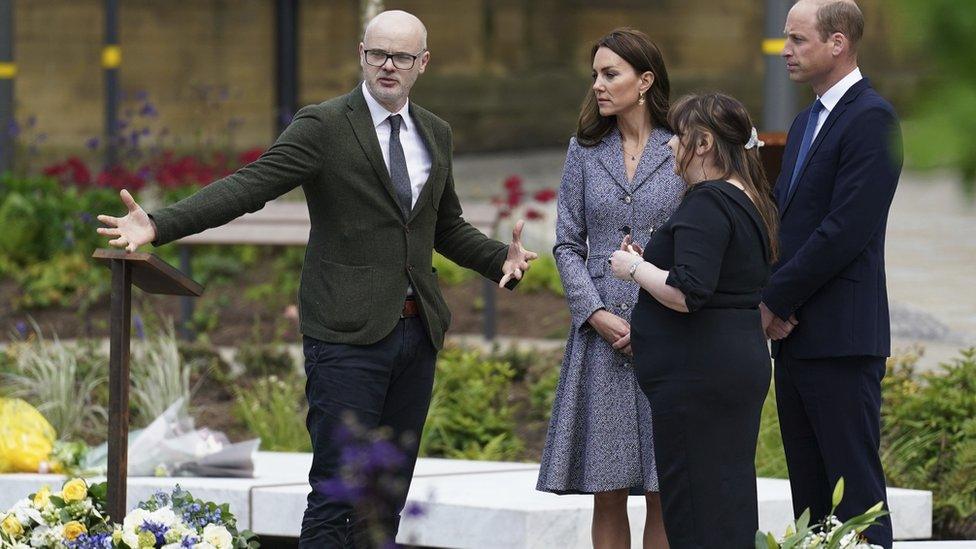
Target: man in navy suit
<point>826,305</point>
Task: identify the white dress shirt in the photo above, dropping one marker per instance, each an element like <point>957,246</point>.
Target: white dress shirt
<point>414,149</point>
<point>831,97</point>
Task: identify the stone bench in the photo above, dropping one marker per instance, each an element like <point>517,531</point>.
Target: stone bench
<point>466,503</point>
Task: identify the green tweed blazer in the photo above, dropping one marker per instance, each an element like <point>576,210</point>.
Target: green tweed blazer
<point>361,251</point>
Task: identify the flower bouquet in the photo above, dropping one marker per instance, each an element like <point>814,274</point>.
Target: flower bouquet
<point>75,518</point>
<point>830,533</point>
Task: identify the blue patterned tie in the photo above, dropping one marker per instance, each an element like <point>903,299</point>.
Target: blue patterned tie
<point>805,144</point>
<point>398,167</point>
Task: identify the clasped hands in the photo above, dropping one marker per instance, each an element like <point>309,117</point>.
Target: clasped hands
<point>612,328</point>
<point>775,327</point>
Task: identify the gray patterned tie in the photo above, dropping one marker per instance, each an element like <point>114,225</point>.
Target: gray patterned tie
<point>398,167</point>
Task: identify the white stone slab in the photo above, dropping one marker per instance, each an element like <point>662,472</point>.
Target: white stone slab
<point>466,503</point>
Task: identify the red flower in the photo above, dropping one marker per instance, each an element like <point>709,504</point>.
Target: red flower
<point>118,177</point>
<point>545,195</point>
<point>71,171</point>
<point>249,156</point>
<point>514,198</point>
<point>513,183</point>
<point>531,214</point>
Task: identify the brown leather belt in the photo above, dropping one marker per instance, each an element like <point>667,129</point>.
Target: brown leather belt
<point>410,308</point>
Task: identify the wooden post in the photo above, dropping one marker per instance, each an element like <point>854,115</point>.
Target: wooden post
<point>152,275</point>
<point>118,386</point>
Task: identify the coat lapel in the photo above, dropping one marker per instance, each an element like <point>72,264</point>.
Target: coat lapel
<point>434,150</point>
<point>362,126</point>
<point>612,158</point>
<point>838,111</point>
<point>655,153</point>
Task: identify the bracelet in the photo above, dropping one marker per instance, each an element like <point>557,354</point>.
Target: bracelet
<point>633,268</point>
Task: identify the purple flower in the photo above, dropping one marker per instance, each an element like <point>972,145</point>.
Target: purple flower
<point>140,328</point>
<point>148,110</point>
<point>91,541</point>
<point>414,509</point>
<point>92,143</point>
<point>341,490</point>
<point>22,329</point>
<point>158,530</point>
<point>13,128</point>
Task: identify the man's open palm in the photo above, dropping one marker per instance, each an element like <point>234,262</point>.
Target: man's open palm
<point>131,231</point>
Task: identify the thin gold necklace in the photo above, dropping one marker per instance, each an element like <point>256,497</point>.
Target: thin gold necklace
<point>632,155</point>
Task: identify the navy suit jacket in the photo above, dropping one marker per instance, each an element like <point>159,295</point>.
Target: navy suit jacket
<point>831,271</point>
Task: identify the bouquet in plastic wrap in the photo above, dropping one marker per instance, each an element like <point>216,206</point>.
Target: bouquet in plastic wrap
<point>171,446</point>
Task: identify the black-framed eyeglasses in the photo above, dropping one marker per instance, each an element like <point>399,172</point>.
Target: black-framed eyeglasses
<point>401,60</point>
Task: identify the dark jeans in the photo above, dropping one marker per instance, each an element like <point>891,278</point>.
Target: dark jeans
<point>830,419</point>
<point>385,384</point>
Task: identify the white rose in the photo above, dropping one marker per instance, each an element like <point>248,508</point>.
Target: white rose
<point>164,516</point>
<point>134,519</point>
<point>203,545</point>
<point>130,538</point>
<point>218,536</point>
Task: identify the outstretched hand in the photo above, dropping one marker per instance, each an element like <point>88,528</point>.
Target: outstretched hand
<point>132,230</point>
<point>517,261</point>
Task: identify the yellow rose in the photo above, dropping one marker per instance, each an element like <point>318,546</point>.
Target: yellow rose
<point>73,529</point>
<point>42,497</point>
<point>74,490</point>
<point>11,526</point>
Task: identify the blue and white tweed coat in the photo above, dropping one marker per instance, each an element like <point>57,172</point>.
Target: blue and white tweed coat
<point>599,437</point>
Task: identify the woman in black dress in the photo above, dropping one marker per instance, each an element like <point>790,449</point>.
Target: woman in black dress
<point>699,348</point>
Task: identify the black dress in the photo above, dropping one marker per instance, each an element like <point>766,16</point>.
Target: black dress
<point>706,372</point>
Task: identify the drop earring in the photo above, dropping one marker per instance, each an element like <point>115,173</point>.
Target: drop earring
<point>640,98</point>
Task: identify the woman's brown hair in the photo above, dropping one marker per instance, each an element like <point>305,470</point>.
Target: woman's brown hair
<point>636,49</point>
<point>728,121</point>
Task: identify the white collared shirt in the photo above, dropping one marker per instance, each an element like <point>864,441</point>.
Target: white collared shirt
<point>831,97</point>
<point>414,149</point>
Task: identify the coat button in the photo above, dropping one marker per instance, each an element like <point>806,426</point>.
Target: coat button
<point>624,306</point>
<point>410,268</point>
<point>626,365</point>
<point>406,229</point>
<point>628,199</point>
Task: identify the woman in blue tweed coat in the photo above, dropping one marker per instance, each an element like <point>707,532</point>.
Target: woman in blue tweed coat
<point>618,180</point>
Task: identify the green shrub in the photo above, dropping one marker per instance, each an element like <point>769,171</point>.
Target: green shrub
<point>263,360</point>
<point>470,417</point>
<point>66,280</point>
<point>770,456</point>
<point>159,376</point>
<point>450,273</point>
<point>542,393</point>
<point>543,276</point>
<point>929,439</point>
<point>61,380</point>
<point>274,409</point>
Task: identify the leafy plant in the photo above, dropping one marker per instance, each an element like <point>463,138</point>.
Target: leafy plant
<point>929,438</point>
<point>470,417</point>
<point>51,375</point>
<point>450,273</point>
<point>274,409</point>
<point>828,534</point>
<point>543,277</point>
<point>159,376</point>
<point>770,456</point>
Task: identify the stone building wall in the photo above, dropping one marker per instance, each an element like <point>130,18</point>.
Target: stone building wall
<point>506,73</point>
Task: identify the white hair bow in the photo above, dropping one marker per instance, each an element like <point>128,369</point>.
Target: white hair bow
<point>754,140</point>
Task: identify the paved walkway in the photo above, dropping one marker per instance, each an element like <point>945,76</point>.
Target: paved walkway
<point>931,245</point>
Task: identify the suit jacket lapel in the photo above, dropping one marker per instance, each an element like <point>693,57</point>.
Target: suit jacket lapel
<point>435,151</point>
<point>839,109</point>
<point>362,126</point>
<point>612,158</point>
<point>655,153</point>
